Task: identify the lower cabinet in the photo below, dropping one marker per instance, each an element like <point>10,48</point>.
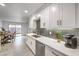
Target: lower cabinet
<point>52,52</point>
<point>48,51</point>
<point>40,49</point>
<point>32,44</point>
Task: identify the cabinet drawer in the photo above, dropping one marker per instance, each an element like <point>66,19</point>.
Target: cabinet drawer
<point>48,51</point>
<point>52,52</point>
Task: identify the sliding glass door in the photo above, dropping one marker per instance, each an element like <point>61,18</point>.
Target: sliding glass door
<point>15,28</point>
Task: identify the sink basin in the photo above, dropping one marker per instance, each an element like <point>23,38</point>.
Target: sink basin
<point>36,36</point>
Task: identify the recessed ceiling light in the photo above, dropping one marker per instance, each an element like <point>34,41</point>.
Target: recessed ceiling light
<point>26,11</point>
<point>2,4</point>
<point>53,9</point>
<point>38,15</point>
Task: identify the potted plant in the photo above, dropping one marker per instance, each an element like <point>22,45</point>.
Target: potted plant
<point>59,36</point>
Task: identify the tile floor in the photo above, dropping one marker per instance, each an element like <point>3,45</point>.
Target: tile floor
<point>17,48</point>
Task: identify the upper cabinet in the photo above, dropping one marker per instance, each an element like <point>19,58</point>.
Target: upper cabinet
<point>54,15</point>
<point>32,22</point>
<point>44,19</point>
<point>68,20</point>
<point>62,16</point>
<point>50,16</point>
<point>57,16</point>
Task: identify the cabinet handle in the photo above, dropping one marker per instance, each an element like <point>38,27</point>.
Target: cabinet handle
<point>57,22</point>
<point>60,22</point>
<point>54,53</point>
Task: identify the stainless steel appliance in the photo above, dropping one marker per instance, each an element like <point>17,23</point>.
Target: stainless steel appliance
<point>70,41</point>
<point>40,49</point>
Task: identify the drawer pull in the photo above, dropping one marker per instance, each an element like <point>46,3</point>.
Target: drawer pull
<point>54,53</point>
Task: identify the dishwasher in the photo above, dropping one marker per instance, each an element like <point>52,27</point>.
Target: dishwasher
<point>40,49</point>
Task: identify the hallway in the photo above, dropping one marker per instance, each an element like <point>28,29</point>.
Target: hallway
<point>17,48</point>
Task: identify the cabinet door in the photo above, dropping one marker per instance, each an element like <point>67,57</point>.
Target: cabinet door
<point>68,15</point>
<point>31,43</point>
<point>48,51</point>
<point>32,23</point>
<point>45,18</point>
<point>28,41</point>
<point>52,52</point>
<point>54,16</point>
<point>33,46</point>
<point>42,20</point>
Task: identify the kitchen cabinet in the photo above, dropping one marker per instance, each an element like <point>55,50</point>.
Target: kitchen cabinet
<point>54,15</point>
<point>31,43</point>
<point>32,23</point>
<point>48,51</point>
<point>68,21</point>
<point>50,16</point>
<point>52,52</point>
<point>57,16</point>
<point>44,18</point>
<point>62,16</point>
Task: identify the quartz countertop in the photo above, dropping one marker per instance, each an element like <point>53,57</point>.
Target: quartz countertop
<point>58,46</point>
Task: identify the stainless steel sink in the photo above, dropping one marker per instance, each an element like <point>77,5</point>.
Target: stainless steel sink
<point>36,36</point>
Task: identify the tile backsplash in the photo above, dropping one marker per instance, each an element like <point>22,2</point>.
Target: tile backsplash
<point>50,33</point>
<point>71,31</point>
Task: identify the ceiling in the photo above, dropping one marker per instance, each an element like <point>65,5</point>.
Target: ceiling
<point>15,11</point>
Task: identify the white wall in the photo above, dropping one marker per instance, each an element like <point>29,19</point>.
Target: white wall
<point>0,23</point>
<point>77,15</point>
<point>24,29</point>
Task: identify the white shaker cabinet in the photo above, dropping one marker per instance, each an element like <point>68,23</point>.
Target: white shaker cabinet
<point>68,20</point>
<point>31,43</point>
<point>32,23</point>
<point>52,52</point>
<point>55,15</point>
<point>62,16</point>
<point>45,18</point>
<point>48,51</point>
